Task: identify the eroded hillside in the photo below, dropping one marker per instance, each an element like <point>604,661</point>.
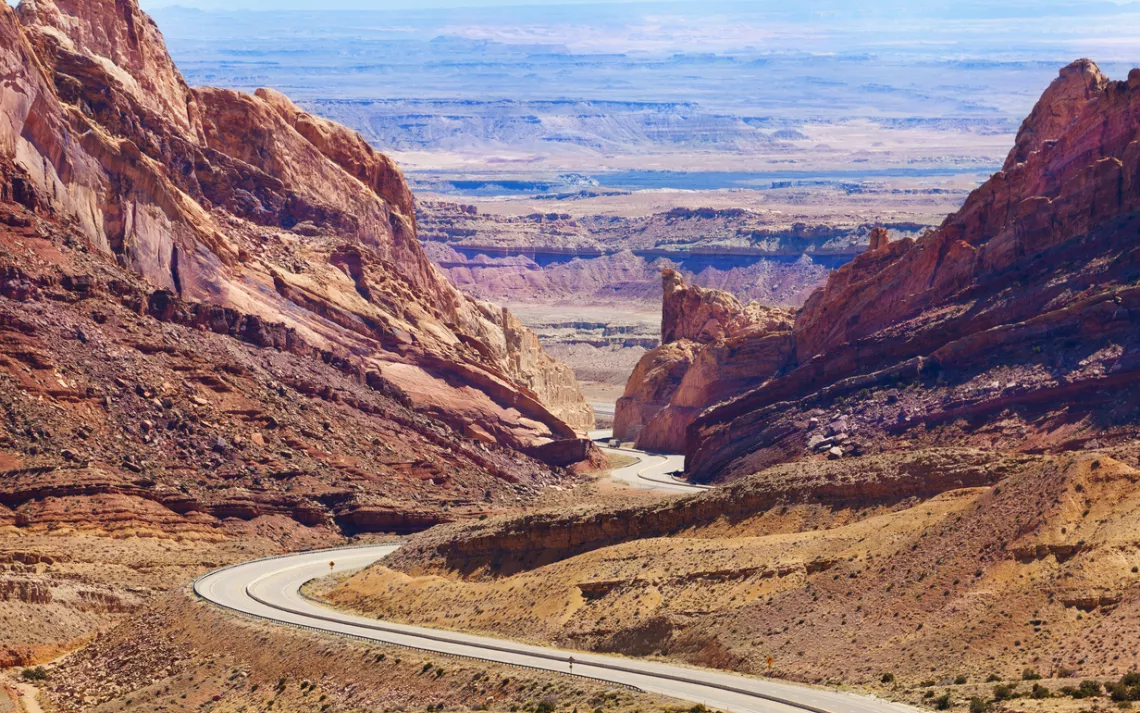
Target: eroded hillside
<point>928,489</point>
<point>1009,327</point>
<point>216,308</point>
<point>855,571</point>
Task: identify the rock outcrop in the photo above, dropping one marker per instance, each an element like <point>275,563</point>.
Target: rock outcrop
<point>505,546</point>
<point>1010,326</point>
<point>712,348</point>
<point>651,386</point>
<point>243,218</point>
<point>230,198</point>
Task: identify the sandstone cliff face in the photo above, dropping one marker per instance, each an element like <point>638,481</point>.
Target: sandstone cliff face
<point>1011,326</point>
<point>706,315</point>
<point>241,216</point>
<point>650,387</point>
<point>246,201</point>
<point>712,348</point>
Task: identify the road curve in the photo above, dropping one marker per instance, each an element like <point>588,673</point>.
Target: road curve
<point>652,471</point>
<point>270,589</point>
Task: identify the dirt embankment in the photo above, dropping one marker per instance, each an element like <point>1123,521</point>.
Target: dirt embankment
<point>63,589</point>
<point>856,487</point>
<point>172,658</point>
<point>1034,572</point>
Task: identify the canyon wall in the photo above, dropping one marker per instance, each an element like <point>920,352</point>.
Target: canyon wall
<point>246,201</point>
<point>1011,326</point>
<point>711,348</point>
<point>251,281</point>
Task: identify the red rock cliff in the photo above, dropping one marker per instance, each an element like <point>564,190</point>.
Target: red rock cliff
<point>1011,326</point>
<point>712,348</point>
<point>246,202</point>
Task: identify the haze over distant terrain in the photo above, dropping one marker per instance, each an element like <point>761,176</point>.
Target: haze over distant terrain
<point>611,91</point>
<point>562,154</point>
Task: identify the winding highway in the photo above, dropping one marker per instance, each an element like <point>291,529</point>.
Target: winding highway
<point>270,589</point>
<point>651,471</point>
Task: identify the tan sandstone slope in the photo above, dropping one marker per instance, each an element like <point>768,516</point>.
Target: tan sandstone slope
<point>841,571</point>
<point>247,202</point>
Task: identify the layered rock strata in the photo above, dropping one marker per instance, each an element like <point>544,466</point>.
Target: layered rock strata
<point>246,201</point>
<point>712,348</point>
<point>1011,326</point>
<point>229,297</point>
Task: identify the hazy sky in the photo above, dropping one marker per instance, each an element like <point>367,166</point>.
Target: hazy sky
<point>360,4</point>
<point>855,5</point>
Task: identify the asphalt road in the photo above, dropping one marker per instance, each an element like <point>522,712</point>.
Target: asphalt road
<point>652,471</point>
<point>270,589</point>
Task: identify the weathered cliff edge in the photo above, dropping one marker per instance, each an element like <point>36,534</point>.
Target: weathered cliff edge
<point>712,347</point>
<point>214,312</point>
<point>504,546</point>
<point>1012,326</point>
<point>247,202</point>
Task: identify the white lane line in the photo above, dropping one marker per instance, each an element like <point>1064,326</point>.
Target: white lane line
<point>240,581</point>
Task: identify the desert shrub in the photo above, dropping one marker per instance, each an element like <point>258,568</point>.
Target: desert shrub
<point>39,673</point>
<point>943,702</point>
<point>1004,692</point>
<point>1087,689</point>
<point>993,678</point>
<point>1030,675</point>
<point>960,679</point>
<point>926,684</point>
<point>1121,691</point>
<point>887,678</point>
<point>1039,692</point>
<point>979,705</point>
<point>1131,678</point>
<point>544,707</point>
